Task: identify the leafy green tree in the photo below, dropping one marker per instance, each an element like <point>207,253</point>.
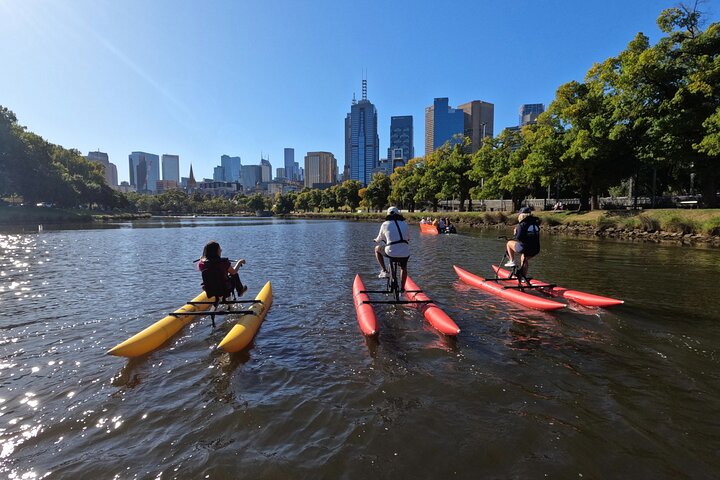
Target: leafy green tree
<point>405,183</point>
<point>302,201</point>
<point>284,203</point>
<point>378,191</point>
<point>257,202</point>
<point>174,201</point>
<point>348,194</point>
<point>329,198</point>
<point>429,187</point>
<point>451,168</point>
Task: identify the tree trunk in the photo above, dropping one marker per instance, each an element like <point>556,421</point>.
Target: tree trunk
<point>709,182</point>
<point>584,198</point>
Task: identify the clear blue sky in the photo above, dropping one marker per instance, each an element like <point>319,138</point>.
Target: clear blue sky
<point>206,78</point>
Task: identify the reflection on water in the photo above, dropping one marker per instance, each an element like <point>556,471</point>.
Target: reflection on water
<point>519,393</point>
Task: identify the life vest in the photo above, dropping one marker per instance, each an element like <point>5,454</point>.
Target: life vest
<point>528,234</point>
<point>216,282</point>
<point>402,240</point>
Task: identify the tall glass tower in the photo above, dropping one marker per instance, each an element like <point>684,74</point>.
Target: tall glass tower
<point>362,134</point>
<point>289,164</point>
<point>529,113</point>
<point>231,168</point>
<point>442,124</point>
<point>144,171</point>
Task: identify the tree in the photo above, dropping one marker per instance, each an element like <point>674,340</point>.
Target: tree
<point>378,191</point>
<point>284,203</point>
<point>405,182</point>
<point>257,202</point>
<point>348,194</point>
<point>451,168</point>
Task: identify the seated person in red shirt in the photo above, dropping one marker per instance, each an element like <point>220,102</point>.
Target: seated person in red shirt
<point>220,278</point>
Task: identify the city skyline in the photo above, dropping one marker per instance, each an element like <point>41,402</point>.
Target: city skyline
<point>216,80</point>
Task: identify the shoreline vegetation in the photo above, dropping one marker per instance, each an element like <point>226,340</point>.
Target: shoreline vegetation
<point>688,227</point>
<point>700,227</point>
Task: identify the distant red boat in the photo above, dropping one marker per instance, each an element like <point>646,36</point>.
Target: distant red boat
<point>428,228</point>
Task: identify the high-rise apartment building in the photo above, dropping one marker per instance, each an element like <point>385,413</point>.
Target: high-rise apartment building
<point>479,122</point>
<point>171,167</point>
<point>111,177</point>
<point>529,113</point>
<point>401,141</point>
<point>219,173</point>
<point>442,124</point>
<point>144,171</point>
<point>289,163</point>
<point>231,168</point>
<point>320,169</point>
<point>364,143</point>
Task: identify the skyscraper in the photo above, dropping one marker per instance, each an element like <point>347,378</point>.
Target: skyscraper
<point>289,164</point>
<point>231,168</point>
<point>320,169</point>
<point>442,124</point>
<point>110,168</point>
<point>529,113</point>
<point>171,167</point>
<point>401,138</point>
<point>266,169</point>
<point>144,171</point>
<point>479,122</point>
<point>251,175</point>
<point>361,130</point>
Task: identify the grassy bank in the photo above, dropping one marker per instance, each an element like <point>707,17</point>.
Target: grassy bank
<point>669,221</point>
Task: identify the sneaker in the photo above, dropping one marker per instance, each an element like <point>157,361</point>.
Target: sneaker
<point>383,274</point>
<point>510,264</point>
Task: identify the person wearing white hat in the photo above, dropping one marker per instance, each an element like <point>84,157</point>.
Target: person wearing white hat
<point>394,235</point>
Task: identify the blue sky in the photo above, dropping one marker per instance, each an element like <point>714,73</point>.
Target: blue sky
<point>203,79</point>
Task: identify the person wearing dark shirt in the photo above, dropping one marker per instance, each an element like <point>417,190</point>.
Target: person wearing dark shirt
<point>526,241</point>
<point>220,278</point>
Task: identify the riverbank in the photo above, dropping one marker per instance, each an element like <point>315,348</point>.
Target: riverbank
<point>27,215</point>
<point>691,227</point>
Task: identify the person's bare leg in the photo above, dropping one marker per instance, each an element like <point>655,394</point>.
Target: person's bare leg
<point>379,257</point>
<point>511,250</point>
<point>524,265</point>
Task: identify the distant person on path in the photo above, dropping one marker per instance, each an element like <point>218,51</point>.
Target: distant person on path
<point>220,278</point>
<point>394,234</point>
<point>526,242</point>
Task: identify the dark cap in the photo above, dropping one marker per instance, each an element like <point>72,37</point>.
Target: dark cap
<point>525,210</point>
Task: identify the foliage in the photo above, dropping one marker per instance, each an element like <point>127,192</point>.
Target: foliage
<point>377,192</point>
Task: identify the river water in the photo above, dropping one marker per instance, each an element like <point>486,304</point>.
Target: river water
<point>627,392</point>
